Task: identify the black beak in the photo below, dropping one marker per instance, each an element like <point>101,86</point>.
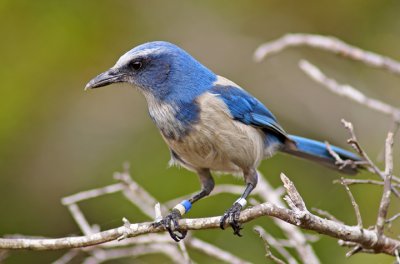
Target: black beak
<point>106,78</point>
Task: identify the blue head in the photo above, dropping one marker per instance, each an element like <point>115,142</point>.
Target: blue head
<point>161,70</point>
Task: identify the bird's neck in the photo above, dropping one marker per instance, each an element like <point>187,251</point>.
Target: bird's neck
<point>172,105</point>
<point>173,119</point>
<point>185,84</point>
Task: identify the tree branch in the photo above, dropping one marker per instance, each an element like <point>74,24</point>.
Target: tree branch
<point>299,216</point>
<point>270,240</point>
<point>354,204</point>
<point>385,201</point>
<point>330,44</point>
<point>348,91</point>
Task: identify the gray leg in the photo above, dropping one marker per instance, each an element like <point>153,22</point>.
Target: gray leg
<point>233,213</point>
<point>207,185</point>
<point>170,222</point>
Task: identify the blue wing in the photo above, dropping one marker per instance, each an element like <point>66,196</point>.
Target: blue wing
<point>247,109</point>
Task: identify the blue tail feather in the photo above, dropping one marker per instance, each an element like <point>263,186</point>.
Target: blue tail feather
<point>317,151</point>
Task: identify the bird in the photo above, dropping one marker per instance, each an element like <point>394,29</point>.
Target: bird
<point>210,124</point>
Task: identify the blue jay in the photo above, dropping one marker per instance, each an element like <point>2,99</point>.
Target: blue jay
<point>209,123</point>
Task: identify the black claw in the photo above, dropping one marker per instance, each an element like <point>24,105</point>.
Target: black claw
<point>156,224</point>
<point>222,221</point>
<point>231,216</point>
<point>170,223</point>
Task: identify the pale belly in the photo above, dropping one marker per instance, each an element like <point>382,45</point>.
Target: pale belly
<point>231,150</point>
<point>218,142</point>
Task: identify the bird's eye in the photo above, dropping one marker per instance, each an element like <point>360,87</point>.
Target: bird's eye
<point>135,65</point>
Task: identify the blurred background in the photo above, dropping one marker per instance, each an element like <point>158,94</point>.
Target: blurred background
<point>57,140</point>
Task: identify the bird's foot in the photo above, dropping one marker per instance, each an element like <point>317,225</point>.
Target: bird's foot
<point>170,223</point>
<point>231,216</point>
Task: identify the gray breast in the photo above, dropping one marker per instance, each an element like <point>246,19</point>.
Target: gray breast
<point>217,141</point>
<point>164,115</point>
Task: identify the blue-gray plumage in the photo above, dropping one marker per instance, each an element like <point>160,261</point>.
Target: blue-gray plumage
<point>208,122</point>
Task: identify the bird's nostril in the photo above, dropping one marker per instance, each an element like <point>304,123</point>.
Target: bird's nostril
<point>112,72</point>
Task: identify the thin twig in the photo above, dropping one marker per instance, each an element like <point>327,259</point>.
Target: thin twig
<point>136,194</point>
<point>191,242</point>
<point>385,201</point>
<point>354,204</point>
<point>354,251</point>
<point>168,250</point>
<point>80,219</point>
<point>85,195</point>
<point>354,142</point>
<point>391,219</point>
<point>339,161</point>
<point>184,251</point>
<point>67,257</point>
<point>214,251</point>
<point>268,253</point>
<point>343,243</point>
<point>293,233</point>
<point>348,181</point>
<point>150,238</point>
<point>348,91</point>
<point>294,199</point>
<point>330,44</point>
<point>394,128</point>
<point>326,214</point>
<point>270,240</point>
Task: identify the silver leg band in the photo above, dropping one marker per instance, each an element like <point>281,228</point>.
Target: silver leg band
<point>241,201</point>
<point>180,208</point>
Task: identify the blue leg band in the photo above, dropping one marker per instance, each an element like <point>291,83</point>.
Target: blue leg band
<point>187,205</point>
<point>183,207</point>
